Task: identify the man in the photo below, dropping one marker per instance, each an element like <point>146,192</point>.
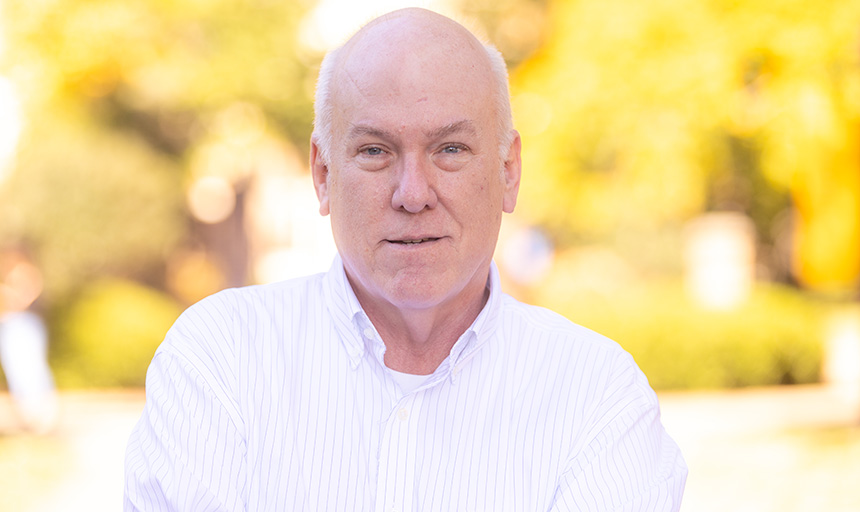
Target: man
<point>403,379</point>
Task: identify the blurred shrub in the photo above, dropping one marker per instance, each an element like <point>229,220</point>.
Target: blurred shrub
<point>92,204</point>
<point>108,335</point>
<point>774,338</point>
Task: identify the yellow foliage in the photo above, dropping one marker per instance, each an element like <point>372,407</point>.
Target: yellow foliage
<point>626,108</point>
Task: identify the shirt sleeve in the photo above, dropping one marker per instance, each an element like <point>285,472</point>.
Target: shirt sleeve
<point>187,451</point>
<point>628,461</point>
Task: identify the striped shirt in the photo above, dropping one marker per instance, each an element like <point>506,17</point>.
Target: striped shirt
<point>276,398</point>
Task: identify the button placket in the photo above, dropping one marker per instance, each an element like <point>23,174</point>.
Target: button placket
<point>397,456</point>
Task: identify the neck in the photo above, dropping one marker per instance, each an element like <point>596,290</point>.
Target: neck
<point>418,340</point>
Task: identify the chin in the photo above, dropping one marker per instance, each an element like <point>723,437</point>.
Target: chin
<point>415,294</point>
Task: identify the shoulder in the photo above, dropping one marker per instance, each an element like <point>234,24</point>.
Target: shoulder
<point>542,325</point>
<point>571,355</point>
<point>221,320</point>
<point>214,337</point>
<point>267,295</point>
<point>251,302</point>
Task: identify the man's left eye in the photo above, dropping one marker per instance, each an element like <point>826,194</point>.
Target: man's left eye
<point>452,148</point>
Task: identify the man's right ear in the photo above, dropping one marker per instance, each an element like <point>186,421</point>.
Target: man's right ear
<point>319,172</point>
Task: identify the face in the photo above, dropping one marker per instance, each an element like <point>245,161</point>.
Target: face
<point>415,185</point>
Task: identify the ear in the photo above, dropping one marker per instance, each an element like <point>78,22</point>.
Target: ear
<point>512,171</point>
<point>319,172</point>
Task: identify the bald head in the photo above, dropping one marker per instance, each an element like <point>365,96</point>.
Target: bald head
<point>410,46</point>
<point>412,25</point>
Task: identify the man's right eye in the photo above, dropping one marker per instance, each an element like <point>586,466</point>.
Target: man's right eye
<point>373,157</point>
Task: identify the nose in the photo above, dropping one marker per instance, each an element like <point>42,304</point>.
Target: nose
<point>414,188</point>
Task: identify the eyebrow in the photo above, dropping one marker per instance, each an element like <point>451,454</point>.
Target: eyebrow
<point>359,130</point>
<point>464,126</point>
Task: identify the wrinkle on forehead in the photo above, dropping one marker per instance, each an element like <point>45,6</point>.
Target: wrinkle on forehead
<point>355,82</point>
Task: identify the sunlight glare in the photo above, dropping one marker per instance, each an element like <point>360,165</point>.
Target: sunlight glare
<point>331,22</point>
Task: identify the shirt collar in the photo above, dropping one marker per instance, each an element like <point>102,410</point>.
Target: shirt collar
<point>350,320</point>
<point>358,334</point>
<point>484,326</point>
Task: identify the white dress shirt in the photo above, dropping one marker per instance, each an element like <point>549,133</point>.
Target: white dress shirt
<point>276,398</point>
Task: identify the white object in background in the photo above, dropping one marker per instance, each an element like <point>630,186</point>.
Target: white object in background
<point>842,354</point>
<point>719,259</point>
<point>24,356</point>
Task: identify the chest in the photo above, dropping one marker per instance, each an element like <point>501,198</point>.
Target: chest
<point>341,438</point>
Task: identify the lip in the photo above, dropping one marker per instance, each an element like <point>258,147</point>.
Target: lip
<point>413,241</point>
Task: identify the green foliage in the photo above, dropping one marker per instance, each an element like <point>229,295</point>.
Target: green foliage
<point>94,204</point>
<point>108,335</point>
<point>161,68</point>
<point>117,95</point>
<point>774,338</point>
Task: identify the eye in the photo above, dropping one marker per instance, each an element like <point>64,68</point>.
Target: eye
<point>373,157</point>
<point>453,149</point>
<point>452,156</point>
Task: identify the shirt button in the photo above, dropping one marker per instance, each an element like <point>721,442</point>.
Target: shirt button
<point>368,333</point>
<point>403,414</point>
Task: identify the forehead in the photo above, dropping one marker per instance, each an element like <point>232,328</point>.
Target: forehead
<point>412,72</point>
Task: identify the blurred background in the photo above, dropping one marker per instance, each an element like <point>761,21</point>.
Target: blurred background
<point>691,189</point>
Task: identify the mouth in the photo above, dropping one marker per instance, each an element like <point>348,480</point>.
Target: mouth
<point>415,241</point>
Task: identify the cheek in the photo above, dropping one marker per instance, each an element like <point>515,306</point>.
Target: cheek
<point>356,200</point>
<point>490,191</point>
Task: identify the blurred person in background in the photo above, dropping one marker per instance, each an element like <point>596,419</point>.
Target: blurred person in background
<point>404,378</point>
<point>24,342</point>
